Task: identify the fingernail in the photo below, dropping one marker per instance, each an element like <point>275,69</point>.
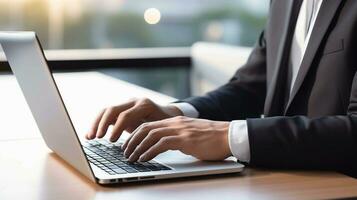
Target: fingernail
<point>141,159</point>
<point>131,158</point>
<point>126,154</point>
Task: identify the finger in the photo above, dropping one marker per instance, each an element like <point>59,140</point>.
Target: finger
<point>157,124</point>
<point>94,128</point>
<point>138,135</point>
<point>162,123</point>
<point>107,119</point>
<point>150,140</point>
<point>110,116</point>
<point>165,144</point>
<point>127,119</point>
<point>124,146</point>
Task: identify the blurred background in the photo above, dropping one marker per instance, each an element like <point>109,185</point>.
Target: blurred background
<point>137,24</point>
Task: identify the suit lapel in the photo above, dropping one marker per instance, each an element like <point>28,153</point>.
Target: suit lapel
<point>272,102</point>
<point>323,21</point>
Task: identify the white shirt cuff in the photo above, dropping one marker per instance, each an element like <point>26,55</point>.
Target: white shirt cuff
<point>187,109</point>
<point>239,140</point>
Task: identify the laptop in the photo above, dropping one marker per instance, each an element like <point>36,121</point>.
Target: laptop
<point>99,160</point>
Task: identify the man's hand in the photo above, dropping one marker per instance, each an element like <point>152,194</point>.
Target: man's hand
<point>203,139</point>
<point>129,116</point>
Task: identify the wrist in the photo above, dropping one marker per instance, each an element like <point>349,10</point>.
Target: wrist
<point>224,131</point>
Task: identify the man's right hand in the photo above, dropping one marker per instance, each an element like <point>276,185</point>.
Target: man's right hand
<point>129,116</point>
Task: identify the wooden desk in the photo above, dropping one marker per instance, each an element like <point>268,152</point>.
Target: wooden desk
<point>29,170</point>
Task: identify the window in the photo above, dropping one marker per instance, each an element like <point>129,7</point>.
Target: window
<point>120,24</point>
<point>92,24</point>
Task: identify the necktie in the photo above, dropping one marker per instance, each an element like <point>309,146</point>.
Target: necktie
<point>309,8</point>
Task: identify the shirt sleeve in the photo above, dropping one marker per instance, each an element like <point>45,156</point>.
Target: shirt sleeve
<point>187,109</point>
<point>239,140</point>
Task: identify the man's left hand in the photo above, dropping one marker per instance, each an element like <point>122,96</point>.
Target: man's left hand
<point>203,139</point>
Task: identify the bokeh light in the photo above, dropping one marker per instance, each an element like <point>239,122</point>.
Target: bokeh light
<point>152,16</point>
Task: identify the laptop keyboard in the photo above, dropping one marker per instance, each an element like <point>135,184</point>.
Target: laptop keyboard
<point>111,159</point>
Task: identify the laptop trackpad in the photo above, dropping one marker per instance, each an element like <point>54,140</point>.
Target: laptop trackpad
<point>180,161</point>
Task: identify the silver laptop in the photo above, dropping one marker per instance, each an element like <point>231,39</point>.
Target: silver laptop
<point>101,161</point>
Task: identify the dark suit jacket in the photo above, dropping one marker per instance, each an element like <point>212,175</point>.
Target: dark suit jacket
<point>317,127</point>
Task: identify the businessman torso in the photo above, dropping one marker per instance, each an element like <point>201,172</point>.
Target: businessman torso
<point>314,126</point>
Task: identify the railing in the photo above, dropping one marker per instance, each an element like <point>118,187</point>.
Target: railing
<point>113,58</point>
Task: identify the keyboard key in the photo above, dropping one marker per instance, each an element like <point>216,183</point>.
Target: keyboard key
<point>119,171</point>
<point>154,169</point>
<point>115,167</point>
<point>130,170</point>
<point>109,157</point>
<point>143,170</point>
<point>165,168</point>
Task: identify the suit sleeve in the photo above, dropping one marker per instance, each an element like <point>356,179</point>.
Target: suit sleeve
<point>300,142</point>
<point>243,96</point>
